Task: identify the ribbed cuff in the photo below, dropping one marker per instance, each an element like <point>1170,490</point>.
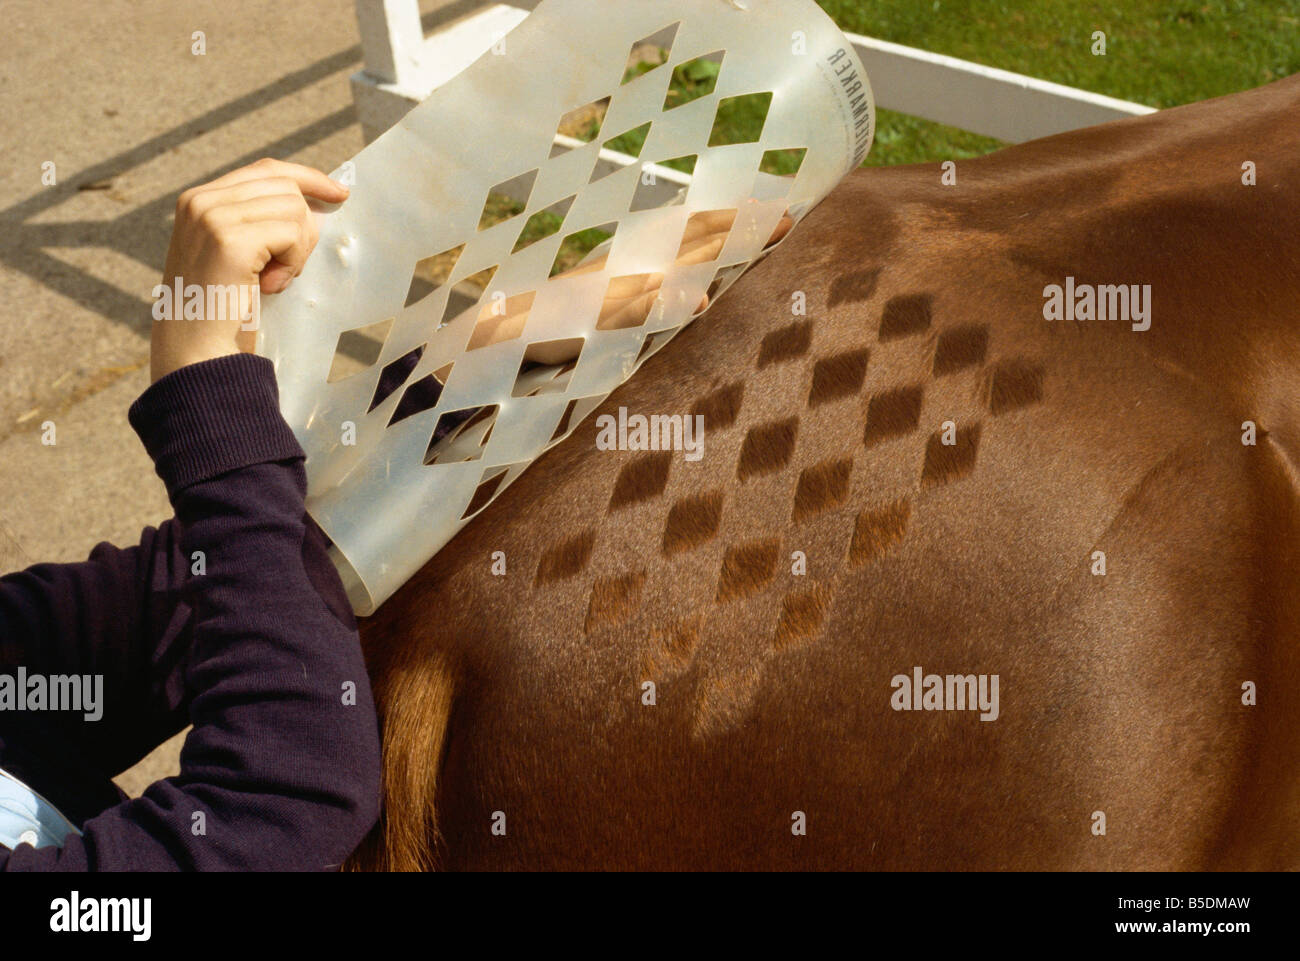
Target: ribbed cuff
<point>211,418</point>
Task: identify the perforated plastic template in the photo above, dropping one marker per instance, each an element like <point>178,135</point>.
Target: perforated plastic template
<point>415,438</point>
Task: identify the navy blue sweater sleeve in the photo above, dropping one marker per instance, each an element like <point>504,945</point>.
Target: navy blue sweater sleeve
<point>120,615</point>
<point>281,769</point>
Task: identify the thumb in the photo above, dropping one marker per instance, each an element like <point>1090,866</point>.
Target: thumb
<point>275,276</point>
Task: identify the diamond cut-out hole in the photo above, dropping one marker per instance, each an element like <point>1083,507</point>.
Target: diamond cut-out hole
<point>584,123</point>
<point>631,143</point>
<point>651,52</point>
<point>653,191</point>
<point>461,435</point>
<point>723,279</point>
<point>578,245</point>
<point>518,189</point>
<point>625,304</point>
<point>544,223</point>
<point>394,376</point>
<point>462,301</point>
<point>547,367</point>
<point>574,413</point>
<point>653,344</point>
<point>481,279</point>
<point>694,79</point>
<point>421,396</point>
<point>486,490</point>
<point>358,350</point>
<point>501,319</point>
<point>705,235</point>
<point>431,273</point>
<point>785,162</point>
<point>740,119</point>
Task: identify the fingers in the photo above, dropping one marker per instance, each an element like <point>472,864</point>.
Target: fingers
<point>708,222</point>
<point>267,207</point>
<point>311,182</point>
<point>209,197</point>
<point>276,277</point>
<point>704,241</point>
<point>629,299</point>
<point>259,243</point>
<point>266,191</point>
<point>221,212</point>
<point>633,285</point>
<point>702,250</point>
<point>628,313</point>
<point>783,227</point>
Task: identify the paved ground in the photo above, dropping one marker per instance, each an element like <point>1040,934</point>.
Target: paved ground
<point>111,94</point>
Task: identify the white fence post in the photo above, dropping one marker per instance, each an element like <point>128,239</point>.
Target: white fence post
<point>392,39</point>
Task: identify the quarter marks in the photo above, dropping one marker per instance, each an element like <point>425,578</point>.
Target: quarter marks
<point>767,447</point>
<point>822,487</point>
<point>905,316</point>
<point>960,347</point>
<point>785,344</point>
<point>1015,384</point>
<point>945,463</point>
<point>876,531</point>
<point>565,559</point>
<point>852,288</point>
<point>838,376</point>
<point>670,646</point>
<point>802,615</point>
<point>747,568</point>
<point>613,599</point>
<point>892,413</point>
<point>720,408</point>
<point>693,521</point>
<point>641,479</point>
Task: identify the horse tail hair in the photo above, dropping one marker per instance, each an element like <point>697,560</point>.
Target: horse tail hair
<point>415,697</point>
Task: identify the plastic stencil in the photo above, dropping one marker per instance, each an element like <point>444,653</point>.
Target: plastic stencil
<point>417,407</point>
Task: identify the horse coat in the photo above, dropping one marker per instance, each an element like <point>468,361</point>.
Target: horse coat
<point>956,472</point>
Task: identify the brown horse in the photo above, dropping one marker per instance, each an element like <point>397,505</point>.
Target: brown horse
<point>702,664</point>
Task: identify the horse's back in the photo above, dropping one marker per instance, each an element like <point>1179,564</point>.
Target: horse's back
<point>906,467</point>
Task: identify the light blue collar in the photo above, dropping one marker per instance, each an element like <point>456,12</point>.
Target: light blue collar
<point>27,818</point>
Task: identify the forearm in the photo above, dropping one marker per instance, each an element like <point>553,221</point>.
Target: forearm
<point>281,769</point>
<point>114,627</point>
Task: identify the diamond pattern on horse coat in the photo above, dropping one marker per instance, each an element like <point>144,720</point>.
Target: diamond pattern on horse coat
<point>812,461</point>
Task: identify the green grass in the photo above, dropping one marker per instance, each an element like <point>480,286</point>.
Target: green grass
<point>1158,52</point>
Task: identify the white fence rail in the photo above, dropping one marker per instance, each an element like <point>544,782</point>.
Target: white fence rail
<point>402,67</point>
<point>984,100</point>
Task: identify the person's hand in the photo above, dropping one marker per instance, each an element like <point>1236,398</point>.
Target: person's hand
<point>629,299</point>
<point>249,231</point>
